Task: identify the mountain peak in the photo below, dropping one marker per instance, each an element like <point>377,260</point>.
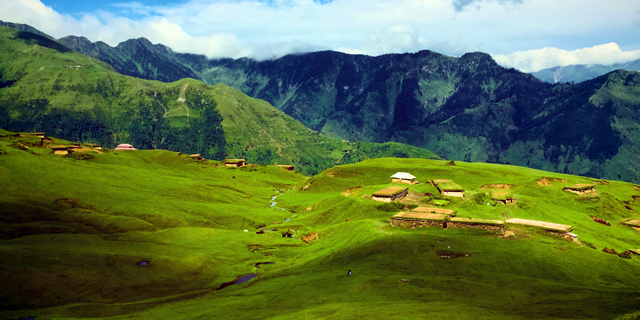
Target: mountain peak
<point>26,28</point>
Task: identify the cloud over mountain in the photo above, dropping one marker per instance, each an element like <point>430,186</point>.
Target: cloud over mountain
<point>534,60</point>
<point>513,31</point>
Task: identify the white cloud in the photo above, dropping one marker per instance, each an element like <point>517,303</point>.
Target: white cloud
<point>267,29</point>
<point>534,60</point>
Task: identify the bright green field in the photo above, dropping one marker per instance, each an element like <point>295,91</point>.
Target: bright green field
<point>78,258</point>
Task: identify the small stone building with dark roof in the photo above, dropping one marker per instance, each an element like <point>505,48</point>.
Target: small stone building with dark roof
<point>390,194</point>
<point>60,150</point>
<point>235,162</point>
<point>449,188</point>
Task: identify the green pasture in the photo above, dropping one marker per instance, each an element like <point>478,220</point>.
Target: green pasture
<point>74,233</point>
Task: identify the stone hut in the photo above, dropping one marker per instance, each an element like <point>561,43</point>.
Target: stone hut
<point>631,223</point>
<point>45,141</point>
<point>502,197</point>
<point>448,188</point>
<point>286,167</point>
<point>37,134</point>
<point>403,177</point>
<point>390,194</point>
<point>75,147</point>
<point>235,162</point>
<point>94,146</point>
<point>125,146</point>
<point>471,223</point>
<point>582,188</point>
<point>61,150</point>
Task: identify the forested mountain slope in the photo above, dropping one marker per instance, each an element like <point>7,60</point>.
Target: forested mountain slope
<point>47,87</point>
<point>467,108</point>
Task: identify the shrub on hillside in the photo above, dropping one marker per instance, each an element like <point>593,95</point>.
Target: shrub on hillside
<point>481,198</point>
<point>626,255</point>
<point>19,146</point>
<point>394,206</point>
<point>630,316</point>
<point>80,156</point>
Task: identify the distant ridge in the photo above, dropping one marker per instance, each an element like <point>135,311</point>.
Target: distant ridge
<point>582,72</point>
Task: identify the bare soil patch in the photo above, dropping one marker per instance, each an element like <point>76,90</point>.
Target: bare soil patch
<point>351,191</point>
<point>545,181</point>
<point>412,198</point>
<point>496,186</point>
<point>310,237</point>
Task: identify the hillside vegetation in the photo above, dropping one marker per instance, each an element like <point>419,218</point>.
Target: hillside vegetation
<point>47,87</point>
<point>154,234</point>
<point>466,108</point>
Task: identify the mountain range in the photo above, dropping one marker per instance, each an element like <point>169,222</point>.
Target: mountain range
<point>466,108</point>
<point>581,72</point>
<point>48,87</point>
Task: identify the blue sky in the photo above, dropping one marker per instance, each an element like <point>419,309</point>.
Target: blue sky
<point>526,34</point>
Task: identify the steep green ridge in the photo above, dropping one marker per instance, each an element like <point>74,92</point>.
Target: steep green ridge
<point>580,72</point>
<point>76,230</point>
<point>47,87</point>
<point>467,109</point>
<point>261,134</point>
<point>25,27</point>
<point>136,57</point>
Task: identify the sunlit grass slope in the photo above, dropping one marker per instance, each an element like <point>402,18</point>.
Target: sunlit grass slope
<point>78,257</point>
<point>530,275</point>
<point>74,231</point>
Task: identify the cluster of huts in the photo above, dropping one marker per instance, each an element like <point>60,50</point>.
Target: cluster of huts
<point>441,217</point>
<point>46,142</point>
<point>446,188</point>
<point>237,163</point>
<point>420,217</point>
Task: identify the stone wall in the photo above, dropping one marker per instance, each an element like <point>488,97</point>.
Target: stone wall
<point>413,223</point>
<point>466,225</point>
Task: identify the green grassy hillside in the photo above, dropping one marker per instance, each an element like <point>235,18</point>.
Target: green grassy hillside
<point>76,230</point>
<point>45,86</point>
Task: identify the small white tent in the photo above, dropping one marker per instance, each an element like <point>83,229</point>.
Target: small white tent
<point>403,177</point>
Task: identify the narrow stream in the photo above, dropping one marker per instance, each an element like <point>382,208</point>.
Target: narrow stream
<point>244,278</point>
